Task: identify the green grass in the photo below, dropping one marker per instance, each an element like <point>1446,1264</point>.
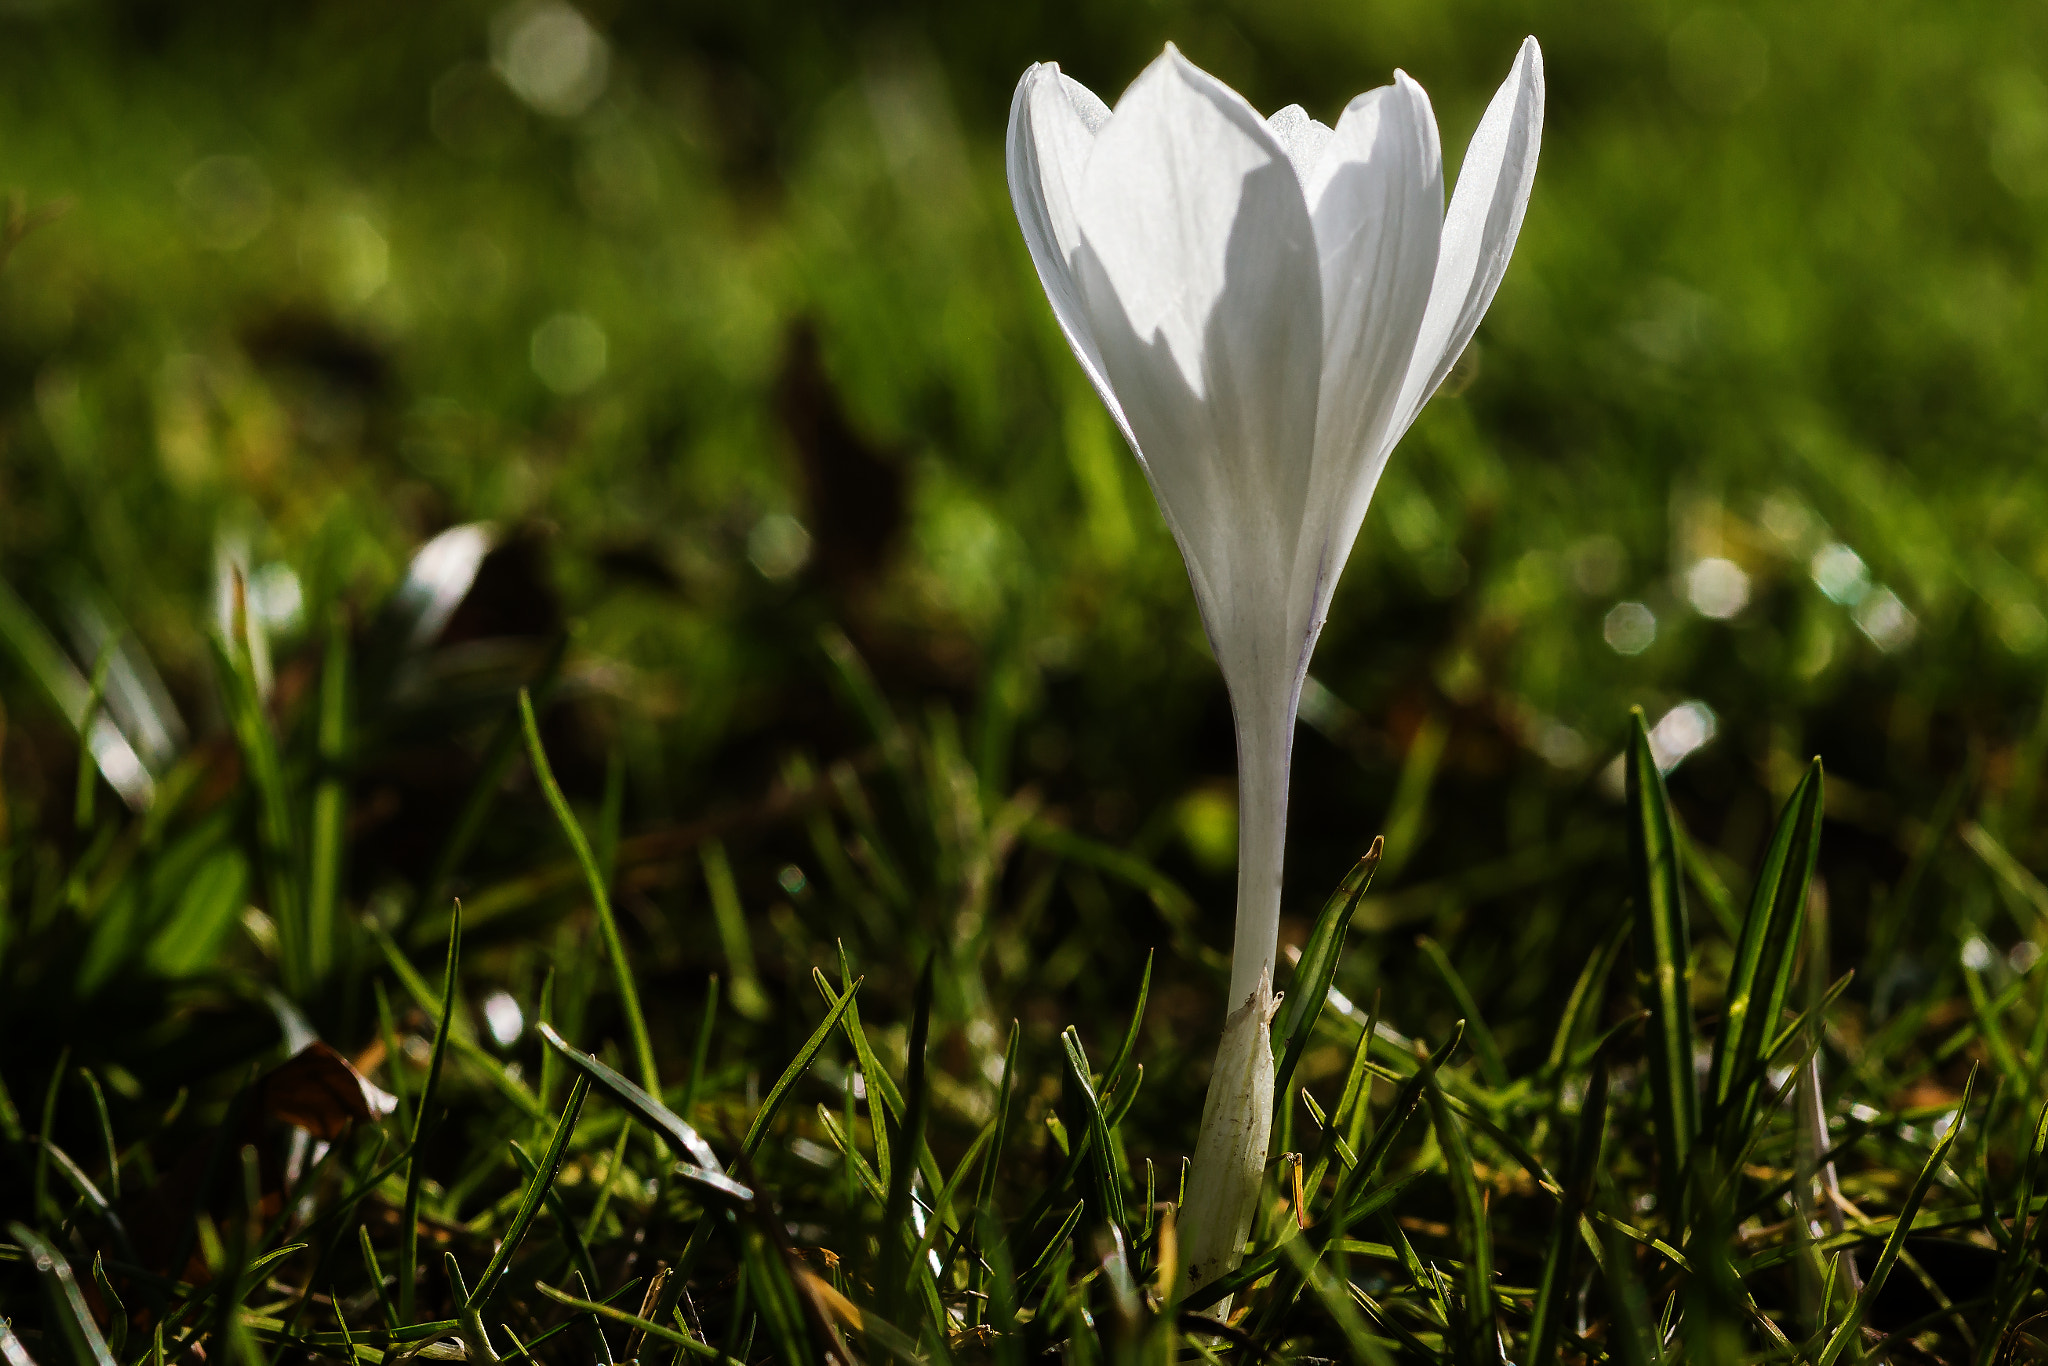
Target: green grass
<point>898,1185</point>
<point>877,896</point>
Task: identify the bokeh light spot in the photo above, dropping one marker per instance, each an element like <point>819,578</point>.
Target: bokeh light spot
<point>1717,588</point>
<point>1629,628</point>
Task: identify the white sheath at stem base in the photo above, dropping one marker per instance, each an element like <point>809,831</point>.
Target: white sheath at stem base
<point>1230,1154</point>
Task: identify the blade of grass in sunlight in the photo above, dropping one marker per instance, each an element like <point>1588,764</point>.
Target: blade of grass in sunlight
<point>1761,977</point>
<point>1310,986</point>
<point>600,895</point>
<point>530,1202</point>
<point>1109,1196</point>
<point>1663,949</point>
<point>643,1106</point>
<point>771,1105</point>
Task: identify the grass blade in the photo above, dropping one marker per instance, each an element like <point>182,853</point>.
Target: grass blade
<point>1109,1196</point>
<point>530,1202</point>
<point>88,767</point>
<point>1764,956</point>
<point>422,1122</point>
<point>703,1169</point>
<point>1112,1080</point>
<point>74,1319</point>
<point>273,809</point>
<point>1310,986</point>
<point>330,802</point>
<point>600,896</point>
<point>1847,1330</point>
<point>1663,946</point>
<point>700,1054</point>
<point>799,1065</point>
<point>572,1236</point>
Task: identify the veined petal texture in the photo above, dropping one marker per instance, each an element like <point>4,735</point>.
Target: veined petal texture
<point>1480,229</point>
<point>1198,270</point>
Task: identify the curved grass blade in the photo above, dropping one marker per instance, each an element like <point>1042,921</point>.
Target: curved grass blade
<point>798,1065</point>
<point>703,1170</point>
<point>1851,1325</point>
<point>530,1202</point>
<point>1663,946</point>
<point>1761,976</point>
<point>422,1121</point>
<point>1109,1195</point>
<point>878,1083</point>
<point>600,896</point>
<point>1310,986</point>
<point>67,1301</point>
<point>565,1223</point>
<point>117,1312</point>
<point>1112,1080</point>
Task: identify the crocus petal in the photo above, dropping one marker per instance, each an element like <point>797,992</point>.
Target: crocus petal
<point>1480,229</point>
<point>1053,122</point>
<point>1198,270</point>
<point>1377,201</point>
<point>1302,136</point>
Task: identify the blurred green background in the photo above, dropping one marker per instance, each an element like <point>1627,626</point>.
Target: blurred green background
<point>719,318</point>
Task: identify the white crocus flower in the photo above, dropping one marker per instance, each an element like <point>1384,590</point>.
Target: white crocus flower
<point>1265,305</point>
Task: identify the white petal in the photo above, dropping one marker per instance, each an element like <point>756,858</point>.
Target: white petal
<point>1377,200</point>
<point>1480,229</point>
<point>1198,269</point>
<point>1053,122</point>
<point>1302,136</point>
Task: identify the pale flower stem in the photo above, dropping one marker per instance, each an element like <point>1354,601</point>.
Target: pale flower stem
<point>1237,1116</point>
<point>1265,753</point>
